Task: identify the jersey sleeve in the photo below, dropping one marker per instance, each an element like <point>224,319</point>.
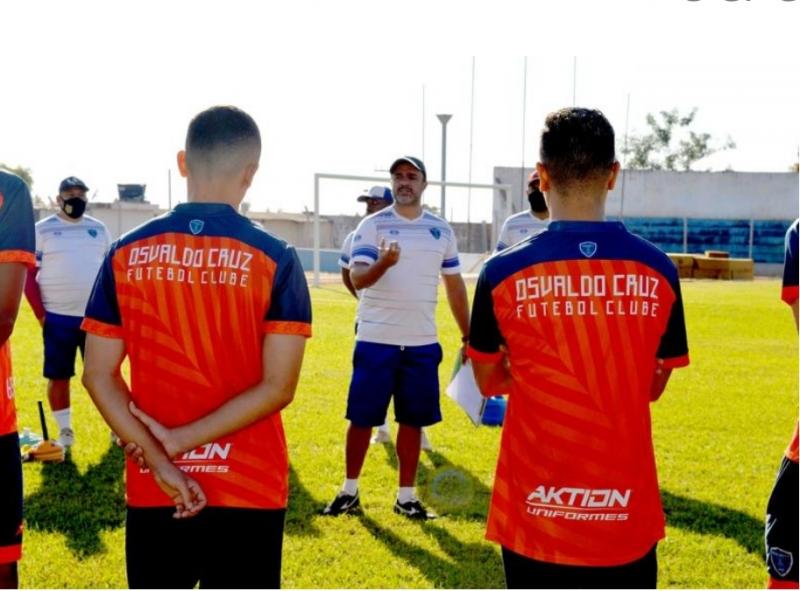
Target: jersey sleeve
<point>344,255</point>
<point>484,333</point>
<point>17,238</point>
<point>502,239</point>
<point>789,290</point>
<point>290,304</point>
<point>674,349</point>
<point>102,315</point>
<point>450,263</point>
<point>365,243</point>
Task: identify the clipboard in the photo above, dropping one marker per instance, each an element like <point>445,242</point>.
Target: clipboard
<point>465,392</point>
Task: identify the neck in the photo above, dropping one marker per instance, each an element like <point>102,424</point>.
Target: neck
<point>214,192</point>
<point>540,215</point>
<point>410,212</point>
<point>578,207</point>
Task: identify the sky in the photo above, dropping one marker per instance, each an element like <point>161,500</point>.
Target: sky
<point>105,90</point>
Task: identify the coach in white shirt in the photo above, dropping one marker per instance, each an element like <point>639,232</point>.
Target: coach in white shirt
<point>69,251</point>
<point>396,259</point>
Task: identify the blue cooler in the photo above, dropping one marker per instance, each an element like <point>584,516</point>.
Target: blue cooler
<point>494,412</point>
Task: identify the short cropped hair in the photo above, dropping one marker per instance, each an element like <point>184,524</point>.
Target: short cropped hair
<point>219,135</point>
<point>576,144</point>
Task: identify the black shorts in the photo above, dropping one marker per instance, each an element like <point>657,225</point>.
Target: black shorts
<point>526,573</point>
<point>10,499</point>
<point>218,548</point>
<point>781,532</point>
<point>63,338</point>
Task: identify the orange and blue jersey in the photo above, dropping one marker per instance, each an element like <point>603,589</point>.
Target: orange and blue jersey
<point>789,294</point>
<point>192,293</point>
<point>585,310</point>
<point>17,245</point>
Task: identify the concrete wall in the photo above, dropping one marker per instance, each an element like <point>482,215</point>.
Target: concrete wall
<point>707,195</point>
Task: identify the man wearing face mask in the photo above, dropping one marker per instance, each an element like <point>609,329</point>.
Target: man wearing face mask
<point>69,251</point>
<point>525,223</point>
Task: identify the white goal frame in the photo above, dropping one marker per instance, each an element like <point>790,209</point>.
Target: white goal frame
<point>499,211</point>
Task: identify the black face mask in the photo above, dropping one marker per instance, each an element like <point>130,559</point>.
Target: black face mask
<point>74,207</point>
<point>536,199</point>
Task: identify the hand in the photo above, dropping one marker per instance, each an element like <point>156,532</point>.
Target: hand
<point>164,435</point>
<point>187,495</point>
<point>463,350</point>
<point>389,255</point>
<point>506,360</point>
<point>133,451</point>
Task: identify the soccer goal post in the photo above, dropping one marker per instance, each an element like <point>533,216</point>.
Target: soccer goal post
<point>501,207</point>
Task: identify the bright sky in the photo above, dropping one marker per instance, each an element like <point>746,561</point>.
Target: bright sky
<point>105,90</point>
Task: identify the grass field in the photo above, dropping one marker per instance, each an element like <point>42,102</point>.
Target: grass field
<point>720,430</point>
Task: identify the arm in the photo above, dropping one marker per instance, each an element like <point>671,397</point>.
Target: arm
<point>103,380</point>
<point>282,357</point>
<point>363,274</point>
<point>12,279</point>
<point>347,283</point>
<point>34,295</point>
<point>459,304</point>
<point>660,378</point>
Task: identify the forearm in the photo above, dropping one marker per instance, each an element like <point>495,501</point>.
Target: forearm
<point>459,304</point>
<point>241,411</point>
<point>111,396</point>
<point>12,280</point>
<point>347,283</point>
<point>362,275</point>
<point>33,294</point>
<point>492,378</point>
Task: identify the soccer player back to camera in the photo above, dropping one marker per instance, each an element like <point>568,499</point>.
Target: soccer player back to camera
<point>582,325</point>
<point>16,257</point>
<point>213,313</point>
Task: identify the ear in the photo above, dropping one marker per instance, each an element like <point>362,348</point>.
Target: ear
<point>612,177</point>
<point>424,185</point>
<point>544,177</point>
<point>248,174</point>
<point>60,200</point>
<point>182,168</point>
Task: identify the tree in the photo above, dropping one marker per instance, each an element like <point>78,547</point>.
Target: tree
<point>671,144</point>
<point>26,174</point>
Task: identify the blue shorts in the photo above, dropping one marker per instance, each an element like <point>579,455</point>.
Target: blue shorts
<point>62,339</point>
<point>411,374</point>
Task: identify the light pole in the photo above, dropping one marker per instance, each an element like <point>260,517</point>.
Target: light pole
<point>444,119</point>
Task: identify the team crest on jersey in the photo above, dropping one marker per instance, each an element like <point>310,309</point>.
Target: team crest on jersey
<point>436,233</point>
<point>357,237</point>
<point>196,226</point>
<point>588,249</point>
<point>394,232</point>
<point>781,560</point>
<point>92,232</point>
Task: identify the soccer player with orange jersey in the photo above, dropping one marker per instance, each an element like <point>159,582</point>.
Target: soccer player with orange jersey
<point>17,245</point>
<point>213,313</point>
<point>582,325</point>
<point>781,533</point>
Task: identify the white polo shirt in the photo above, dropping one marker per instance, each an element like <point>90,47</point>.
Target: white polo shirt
<point>399,308</point>
<point>518,227</point>
<point>68,256</point>
<point>344,255</point>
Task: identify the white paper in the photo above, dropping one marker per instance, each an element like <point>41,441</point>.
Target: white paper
<point>464,390</point>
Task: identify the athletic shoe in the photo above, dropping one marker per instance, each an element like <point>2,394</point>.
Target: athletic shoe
<point>413,509</point>
<point>425,443</point>
<point>66,437</point>
<point>381,436</point>
<point>343,503</point>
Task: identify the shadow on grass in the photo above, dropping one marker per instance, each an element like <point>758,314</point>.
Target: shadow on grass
<point>77,505</point>
<point>472,566</point>
<point>709,518</point>
<point>302,508</point>
<point>448,488</point>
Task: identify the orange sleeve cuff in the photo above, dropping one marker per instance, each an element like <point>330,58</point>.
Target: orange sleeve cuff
<point>285,327</point>
<point>18,256</point>
<point>673,362</point>
<point>790,294</point>
<point>482,357</point>
<point>101,329</point>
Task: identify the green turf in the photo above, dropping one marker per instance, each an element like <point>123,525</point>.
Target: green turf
<point>720,430</point>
